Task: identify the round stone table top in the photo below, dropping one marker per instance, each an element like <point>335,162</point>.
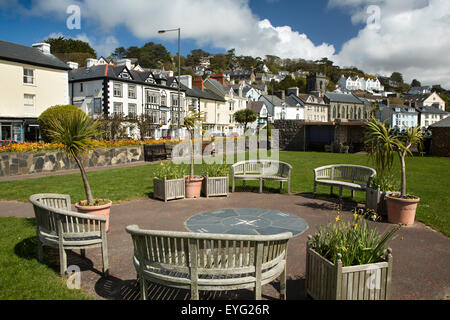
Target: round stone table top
<point>246,221</point>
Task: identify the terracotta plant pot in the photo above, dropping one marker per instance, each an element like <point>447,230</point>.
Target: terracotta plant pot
<point>102,210</point>
<point>401,211</point>
<point>193,187</point>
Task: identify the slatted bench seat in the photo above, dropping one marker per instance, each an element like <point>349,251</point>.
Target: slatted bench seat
<point>209,262</point>
<point>58,227</point>
<point>353,177</point>
<point>154,152</point>
<point>261,170</point>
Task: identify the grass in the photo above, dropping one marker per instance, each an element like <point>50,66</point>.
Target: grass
<point>22,276</point>
<point>427,177</point>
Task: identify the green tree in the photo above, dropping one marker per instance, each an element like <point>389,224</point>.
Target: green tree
<point>218,63</point>
<point>397,76</point>
<point>71,50</point>
<point>416,83</point>
<point>58,111</point>
<point>193,59</point>
<point>245,117</point>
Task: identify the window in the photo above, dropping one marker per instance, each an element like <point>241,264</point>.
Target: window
<point>132,109</point>
<point>334,112</point>
<point>231,118</point>
<point>152,97</point>
<point>97,105</point>
<point>28,105</point>
<point>131,92</point>
<point>118,90</point>
<point>174,101</point>
<point>28,76</point>
<point>118,107</point>
<point>163,99</point>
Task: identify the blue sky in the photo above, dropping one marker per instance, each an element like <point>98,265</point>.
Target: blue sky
<point>314,18</point>
<point>377,36</point>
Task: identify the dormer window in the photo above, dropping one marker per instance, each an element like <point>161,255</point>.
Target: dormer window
<point>150,80</point>
<point>124,75</point>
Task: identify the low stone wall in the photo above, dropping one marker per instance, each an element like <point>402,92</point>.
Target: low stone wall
<point>291,134</point>
<point>20,163</point>
<point>440,144</point>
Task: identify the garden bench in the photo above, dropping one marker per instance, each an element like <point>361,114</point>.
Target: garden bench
<point>343,176</point>
<point>209,262</point>
<point>156,151</point>
<point>261,170</point>
<point>59,227</point>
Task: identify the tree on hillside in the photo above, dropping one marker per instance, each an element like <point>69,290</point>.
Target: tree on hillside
<point>150,55</point>
<point>219,63</point>
<point>193,59</point>
<point>397,76</point>
<point>71,50</point>
<point>416,83</point>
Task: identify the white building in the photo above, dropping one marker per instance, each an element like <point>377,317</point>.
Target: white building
<point>112,89</point>
<point>358,83</point>
<point>31,81</point>
<point>401,117</point>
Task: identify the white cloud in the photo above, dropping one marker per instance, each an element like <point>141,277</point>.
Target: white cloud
<point>412,38</point>
<point>224,24</point>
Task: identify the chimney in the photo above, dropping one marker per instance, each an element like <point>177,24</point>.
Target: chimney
<point>124,62</point>
<point>198,82</point>
<point>91,62</point>
<point>186,80</point>
<point>294,90</point>
<point>72,65</point>
<point>219,77</point>
<point>43,47</point>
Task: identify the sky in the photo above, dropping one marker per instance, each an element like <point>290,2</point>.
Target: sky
<point>377,36</point>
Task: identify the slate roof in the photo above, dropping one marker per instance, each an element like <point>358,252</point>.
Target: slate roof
<point>256,106</point>
<point>276,101</point>
<point>291,101</point>
<point>344,98</point>
<point>29,55</point>
<point>202,94</point>
<point>442,124</point>
<point>218,85</point>
<point>429,109</point>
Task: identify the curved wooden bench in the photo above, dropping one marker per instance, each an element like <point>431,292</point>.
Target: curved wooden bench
<point>351,177</point>
<point>210,262</point>
<point>261,170</point>
<point>58,227</point>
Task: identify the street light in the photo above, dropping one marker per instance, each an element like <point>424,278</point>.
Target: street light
<point>179,74</point>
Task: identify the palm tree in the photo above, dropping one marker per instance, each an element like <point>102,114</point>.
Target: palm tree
<point>190,122</point>
<point>384,142</point>
<point>75,132</point>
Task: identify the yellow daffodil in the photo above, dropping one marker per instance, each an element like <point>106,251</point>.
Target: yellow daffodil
<point>337,218</point>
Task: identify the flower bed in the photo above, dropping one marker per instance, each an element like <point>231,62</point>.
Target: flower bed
<point>41,146</point>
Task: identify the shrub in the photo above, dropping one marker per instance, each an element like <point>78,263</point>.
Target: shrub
<point>170,171</point>
<point>55,112</point>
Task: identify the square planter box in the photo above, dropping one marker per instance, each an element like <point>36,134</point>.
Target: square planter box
<point>215,186</point>
<point>169,189</point>
<point>328,281</point>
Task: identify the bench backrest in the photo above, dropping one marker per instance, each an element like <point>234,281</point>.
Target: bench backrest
<point>264,167</point>
<point>53,216</point>
<point>207,254</point>
<point>345,172</point>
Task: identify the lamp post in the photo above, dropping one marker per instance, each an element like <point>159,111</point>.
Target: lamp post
<point>179,74</point>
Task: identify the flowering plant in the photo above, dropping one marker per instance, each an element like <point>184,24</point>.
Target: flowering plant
<point>169,171</point>
<point>356,242</point>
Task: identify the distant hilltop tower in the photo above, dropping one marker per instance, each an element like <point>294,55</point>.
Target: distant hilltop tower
<point>316,83</point>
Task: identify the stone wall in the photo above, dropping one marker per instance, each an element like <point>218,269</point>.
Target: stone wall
<point>15,163</point>
<point>440,145</point>
<point>291,134</point>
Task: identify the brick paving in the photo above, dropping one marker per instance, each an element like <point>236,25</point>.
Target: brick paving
<point>421,255</point>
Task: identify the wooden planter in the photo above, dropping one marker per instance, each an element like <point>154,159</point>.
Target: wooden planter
<point>329,281</point>
<point>215,186</point>
<point>169,189</point>
<point>376,200</point>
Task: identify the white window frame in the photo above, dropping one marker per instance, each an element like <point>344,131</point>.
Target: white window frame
<point>116,104</point>
<point>29,108</point>
<point>27,77</point>
<point>132,106</point>
<point>115,86</point>
<point>133,90</point>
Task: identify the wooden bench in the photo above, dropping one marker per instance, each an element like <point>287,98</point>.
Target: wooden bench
<point>154,152</point>
<point>343,176</point>
<point>209,262</point>
<point>58,227</point>
<point>261,170</point>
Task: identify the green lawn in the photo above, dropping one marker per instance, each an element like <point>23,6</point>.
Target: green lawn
<point>22,277</point>
<point>427,177</point>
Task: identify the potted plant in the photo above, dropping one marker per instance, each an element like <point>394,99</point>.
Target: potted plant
<point>193,182</point>
<point>216,180</point>
<point>349,261</point>
<point>384,143</point>
<point>168,182</point>
<point>74,132</point>
<point>380,186</point>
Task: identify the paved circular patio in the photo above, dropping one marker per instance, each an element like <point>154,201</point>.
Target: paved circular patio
<point>421,255</point>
